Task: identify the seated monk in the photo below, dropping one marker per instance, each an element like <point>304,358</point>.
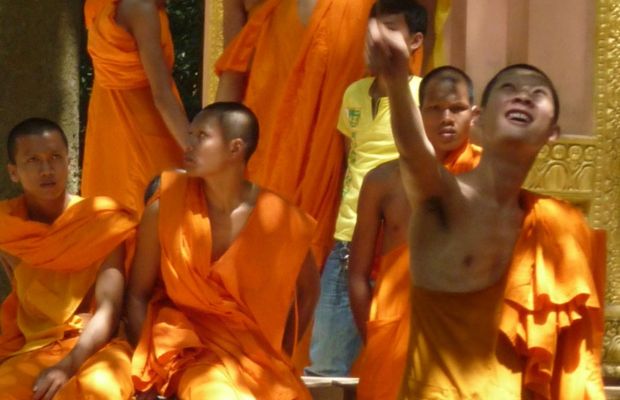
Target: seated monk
<point>382,317</point>
<point>505,303</point>
<point>65,256</point>
<point>238,281</point>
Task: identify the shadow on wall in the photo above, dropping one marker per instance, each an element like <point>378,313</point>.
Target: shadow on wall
<point>38,49</point>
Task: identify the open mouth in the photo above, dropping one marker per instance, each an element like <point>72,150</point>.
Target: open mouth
<point>519,117</point>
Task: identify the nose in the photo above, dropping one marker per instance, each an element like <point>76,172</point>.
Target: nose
<point>447,116</point>
<point>46,168</point>
<point>523,96</point>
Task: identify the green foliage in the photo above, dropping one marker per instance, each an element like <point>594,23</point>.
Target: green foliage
<point>187,27</point>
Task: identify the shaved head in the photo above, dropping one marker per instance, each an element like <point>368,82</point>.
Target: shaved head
<point>236,121</point>
<point>448,74</point>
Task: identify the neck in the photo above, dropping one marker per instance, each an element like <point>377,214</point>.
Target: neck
<point>502,177</point>
<point>46,211</point>
<point>226,191</point>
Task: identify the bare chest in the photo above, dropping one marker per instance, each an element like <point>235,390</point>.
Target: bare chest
<point>471,252</point>
<point>225,230</point>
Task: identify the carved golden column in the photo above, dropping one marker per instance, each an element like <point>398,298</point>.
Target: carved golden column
<point>606,203</point>
<point>213,43</point>
<point>585,171</point>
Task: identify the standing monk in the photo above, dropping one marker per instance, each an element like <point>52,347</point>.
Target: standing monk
<point>66,259</point>
<point>136,126</point>
<point>239,281</point>
<point>291,64</point>
<point>448,111</point>
<point>505,303</point>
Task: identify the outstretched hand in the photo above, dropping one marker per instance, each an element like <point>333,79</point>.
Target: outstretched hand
<point>387,51</point>
<point>51,380</point>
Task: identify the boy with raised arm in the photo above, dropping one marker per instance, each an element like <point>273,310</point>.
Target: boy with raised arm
<point>365,125</point>
<point>238,280</point>
<point>65,256</point>
<point>382,314</point>
<point>504,300</point>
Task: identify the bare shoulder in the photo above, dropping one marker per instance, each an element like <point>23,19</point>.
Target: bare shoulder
<point>380,174</point>
<point>130,11</point>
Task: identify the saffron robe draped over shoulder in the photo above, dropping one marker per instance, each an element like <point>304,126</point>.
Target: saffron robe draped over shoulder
<point>539,330</point>
<point>56,268</point>
<point>227,317</point>
<point>127,141</point>
<point>387,331</point>
<point>297,77</point>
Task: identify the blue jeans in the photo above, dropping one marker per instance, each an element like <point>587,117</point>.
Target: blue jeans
<point>335,339</point>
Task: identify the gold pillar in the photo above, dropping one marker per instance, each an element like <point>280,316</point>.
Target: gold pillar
<point>213,43</point>
<point>586,172</point>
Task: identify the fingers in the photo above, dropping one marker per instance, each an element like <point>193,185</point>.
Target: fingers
<point>47,385</point>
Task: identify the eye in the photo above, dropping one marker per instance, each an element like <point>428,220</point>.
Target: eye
<point>459,108</point>
<point>508,87</point>
<point>541,92</point>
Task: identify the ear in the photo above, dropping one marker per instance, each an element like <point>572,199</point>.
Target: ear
<point>237,148</point>
<point>475,116</point>
<point>415,42</point>
<point>12,169</point>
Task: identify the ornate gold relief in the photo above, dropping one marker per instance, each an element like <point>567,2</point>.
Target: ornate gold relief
<point>604,211</point>
<point>566,169</point>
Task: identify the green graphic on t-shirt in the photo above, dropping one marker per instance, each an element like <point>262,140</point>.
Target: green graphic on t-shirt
<point>354,117</point>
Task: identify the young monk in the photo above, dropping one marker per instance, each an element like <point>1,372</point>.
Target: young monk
<point>136,126</point>
<point>65,256</point>
<point>382,317</point>
<point>239,281</point>
<point>365,126</point>
<point>504,300</point>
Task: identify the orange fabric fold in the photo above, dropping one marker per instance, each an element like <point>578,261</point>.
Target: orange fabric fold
<point>387,332</point>
<point>57,266</point>
<point>538,330</point>
<point>299,154</point>
<point>553,314</point>
<point>127,141</point>
<point>224,318</point>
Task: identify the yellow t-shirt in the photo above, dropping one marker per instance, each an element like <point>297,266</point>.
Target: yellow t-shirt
<point>372,144</point>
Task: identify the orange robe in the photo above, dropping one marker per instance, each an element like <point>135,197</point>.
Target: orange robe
<point>387,331</point>
<point>217,332</point>
<point>56,269</point>
<point>127,142</point>
<point>297,76</point>
<point>539,329</point>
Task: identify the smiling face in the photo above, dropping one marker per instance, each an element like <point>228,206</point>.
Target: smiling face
<point>520,109</point>
<point>447,114</point>
<point>41,165</point>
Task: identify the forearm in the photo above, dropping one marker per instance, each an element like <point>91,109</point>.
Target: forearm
<point>173,114</point>
<point>231,87</point>
<point>360,294</point>
<point>407,125</point>
<point>97,333</point>
<point>136,314</point>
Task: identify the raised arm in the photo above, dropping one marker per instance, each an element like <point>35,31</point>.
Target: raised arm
<point>109,289</point>
<point>308,287</point>
<point>144,272</point>
<point>363,245</point>
<point>141,19</point>
<point>423,176</point>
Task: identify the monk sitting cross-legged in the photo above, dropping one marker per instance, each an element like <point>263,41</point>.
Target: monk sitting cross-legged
<point>238,281</point>
<point>66,259</point>
<point>447,106</point>
<point>505,303</point>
